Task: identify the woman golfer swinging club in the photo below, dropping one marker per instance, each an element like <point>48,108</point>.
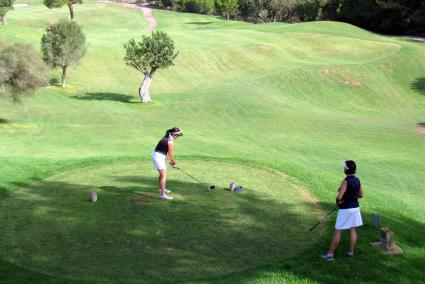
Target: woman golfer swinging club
<point>164,149</point>
<point>349,211</point>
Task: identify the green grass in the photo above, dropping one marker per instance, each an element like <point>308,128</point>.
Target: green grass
<point>298,99</point>
<point>200,234</point>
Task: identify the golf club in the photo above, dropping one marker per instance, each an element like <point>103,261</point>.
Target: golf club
<point>211,186</point>
<point>323,219</point>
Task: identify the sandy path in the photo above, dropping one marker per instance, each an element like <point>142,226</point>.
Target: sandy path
<point>147,12</point>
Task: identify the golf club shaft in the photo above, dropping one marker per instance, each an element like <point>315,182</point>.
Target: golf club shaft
<point>189,175</point>
<point>323,219</point>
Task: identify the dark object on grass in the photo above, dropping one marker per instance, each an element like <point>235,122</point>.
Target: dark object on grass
<point>239,188</point>
<point>211,186</point>
<point>323,219</point>
<point>93,196</point>
<point>376,220</point>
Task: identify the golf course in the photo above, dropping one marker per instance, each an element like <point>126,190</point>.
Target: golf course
<point>274,107</point>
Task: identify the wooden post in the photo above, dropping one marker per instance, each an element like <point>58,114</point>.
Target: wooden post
<point>387,239</point>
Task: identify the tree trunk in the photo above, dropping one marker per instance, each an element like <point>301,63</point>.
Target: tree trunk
<point>144,89</point>
<point>3,19</point>
<point>228,16</point>
<point>63,82</point>
<point>71,11</point>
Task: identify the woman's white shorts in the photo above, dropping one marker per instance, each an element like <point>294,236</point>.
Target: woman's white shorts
<point>348,218</point>
<point>158,160</point>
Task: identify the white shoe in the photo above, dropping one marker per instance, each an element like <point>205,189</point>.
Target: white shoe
<point>166,191</point>
<point>165,197</point>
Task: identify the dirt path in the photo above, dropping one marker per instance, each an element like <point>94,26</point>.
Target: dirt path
<point>421,128</point>
<point>147,12</point>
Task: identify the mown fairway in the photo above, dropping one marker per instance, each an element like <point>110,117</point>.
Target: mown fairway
<point>275,107</point>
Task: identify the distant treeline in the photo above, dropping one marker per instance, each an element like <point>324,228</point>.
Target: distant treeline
<point>383,16</point>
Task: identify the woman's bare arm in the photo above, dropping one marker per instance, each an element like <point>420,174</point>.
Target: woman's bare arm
<point>171,154</point>
<point>341,192</point>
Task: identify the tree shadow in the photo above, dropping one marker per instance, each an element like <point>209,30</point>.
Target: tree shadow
<point>4,121</point>
<point>3,193</point>
<point>368,266</point>
<point>105,96</point>
<point>120,225</point>
<point>419,85</point>
<point>130,222</point>
<point>199,23</point>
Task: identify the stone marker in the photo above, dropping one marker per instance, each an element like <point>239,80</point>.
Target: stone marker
<point>93,196</point>
<point>387,244</point>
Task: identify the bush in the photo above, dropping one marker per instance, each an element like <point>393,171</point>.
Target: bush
<point>21,70</point>
<point>199,6</point>
<point>207,7</point>
<point>307,11</point>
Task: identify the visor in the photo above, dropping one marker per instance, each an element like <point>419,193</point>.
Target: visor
<point>344,165</point>
<point>178,133</point>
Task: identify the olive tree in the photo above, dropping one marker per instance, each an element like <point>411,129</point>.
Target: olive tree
<point>59,3</point>
<point>228,7</point>
<point>5,6</point>
<point>21,70</point>
<point>147,56</point>
<point>63,44</point>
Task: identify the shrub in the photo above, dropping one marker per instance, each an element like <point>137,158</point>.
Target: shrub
<point>21,70</point>
<point>199,6</point>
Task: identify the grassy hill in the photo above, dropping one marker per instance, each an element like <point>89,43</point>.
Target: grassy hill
<point>298,99</point>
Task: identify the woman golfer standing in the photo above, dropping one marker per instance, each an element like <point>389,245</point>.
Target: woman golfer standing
<point>349,211</point>
<point>164,149</point>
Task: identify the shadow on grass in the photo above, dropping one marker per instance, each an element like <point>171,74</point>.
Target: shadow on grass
<point>129,233</point>
<point>419,85</point>
<point>368,266</point>
<point>3,193</point>
<point>105,96</point>
<point>199,23</point>
<point>4,121</point>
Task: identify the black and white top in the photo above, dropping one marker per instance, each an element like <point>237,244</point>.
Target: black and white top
<point>351,195</point>
<point>162,146</point>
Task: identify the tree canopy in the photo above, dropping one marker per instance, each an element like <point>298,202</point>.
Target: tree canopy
<point>147,56</point>
<point>59,3</point>
<point>62,45</point>
<point>384,16</point>
<point>152,53</point>
<point>5,6</point>
<point>21,70</point>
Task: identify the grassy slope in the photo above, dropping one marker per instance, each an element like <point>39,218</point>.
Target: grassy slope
<point>300,98</point>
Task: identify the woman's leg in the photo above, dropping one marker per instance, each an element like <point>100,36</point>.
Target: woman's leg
<point>162,180</point>
<point>335,241</point>
<point>353,239</point>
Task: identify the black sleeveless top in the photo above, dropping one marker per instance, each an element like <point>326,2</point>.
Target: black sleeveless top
<point>351,195</point>
<point>162,146</point>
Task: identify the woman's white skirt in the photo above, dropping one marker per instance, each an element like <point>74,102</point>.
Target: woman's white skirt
<point>348,218</point>
<point>158,160</point>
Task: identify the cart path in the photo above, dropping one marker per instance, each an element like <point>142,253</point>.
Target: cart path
<point>147,12</point>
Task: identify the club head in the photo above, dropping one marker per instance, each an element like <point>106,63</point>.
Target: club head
<point>211,187</point>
